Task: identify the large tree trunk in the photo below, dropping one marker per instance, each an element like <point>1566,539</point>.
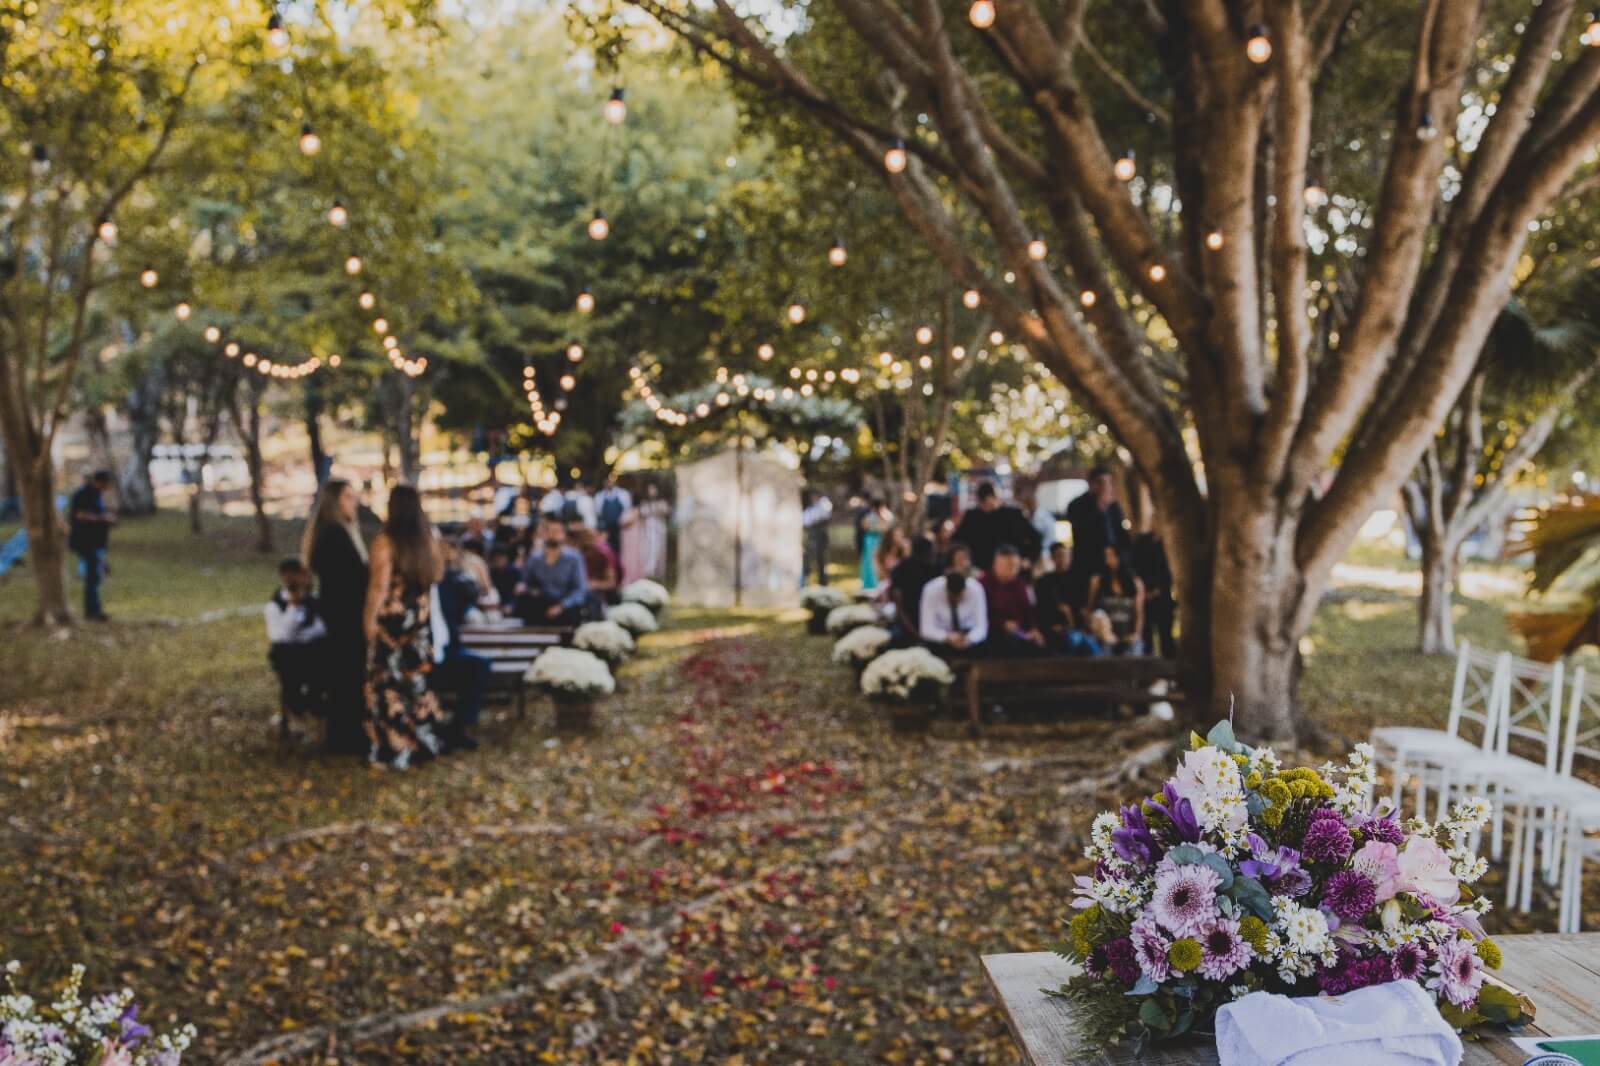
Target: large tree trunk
<point>1440,565</point>
<point>47,548</point>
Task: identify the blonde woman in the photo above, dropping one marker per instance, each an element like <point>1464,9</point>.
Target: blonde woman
<point>332,547</point>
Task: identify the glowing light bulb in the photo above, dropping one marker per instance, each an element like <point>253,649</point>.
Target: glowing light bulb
<point>971,298</point>
<point>885,358</point>
<point>1215,240</point>
<point>997,337</point>
<point>575,352</point>
<point>1258,49</point>
<point>183,311</point>
<point>1158,273</point>
<point>367,301</point>
<point>277,36</point>
<point>334,360</point>
<point>926,362</point>
<point>391,343</point>
<point>380,326</point>
<point>232,350</point>
<point>337,214</point>
<point>794,372</point>
<point>1125,167</point>
<point>958,353</point>
<point>797,312</point>
<point>837,254</point>
<point>895,159</point>
<point>1087,297</point>
<point>250,359</point>
<point>310,143</point>
<point>1037,249</point>
<point>568,382</point>
<point>1316,195</point>
<point>924,335</point>
<point>765,352</point>
<point>702,409</point>
<point>981,13</point>
<point>213,334</point>
<point>352,265</point>
<point>107,231</point>
<point>599,228</point>
<point>585,301</point>
<point>616,109</point>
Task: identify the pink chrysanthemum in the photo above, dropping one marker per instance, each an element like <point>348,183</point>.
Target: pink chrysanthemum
<point>1223,951</point>
<point>1185,897</point>
<point>1150,949</point>
<point>1460,974</point>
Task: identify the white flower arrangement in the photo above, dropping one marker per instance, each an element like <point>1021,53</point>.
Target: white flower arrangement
<point>842,620</point>
<point>822,598</point>
<point>571,672</point>
<point>67,1031</point>
<point>634,617</point>
<point>650,593</point>
<point>607,639</point>
<point>906,673</point>
<point>861,645</point>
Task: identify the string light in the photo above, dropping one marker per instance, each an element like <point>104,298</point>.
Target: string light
<point>1037,249</point>
<point>895,159</point>
<point>1316,195</point>
<point>926,362</point>
<point>837,254</point>
<point>232,350</point>
<point>277,36</point>
<point>107,231</point>
<point>149,278</point>
<point>796,312</point>
<point>367,301</point>
<point>568,382</point>
<point>599,228</point>
<point>997,337</point>
<point>885,358</point>
<point>981,13</point>
<point>1259,47</point>
<point>380,326</point>
<point>765,352</point>
<point>585,302</point>
<point>1215,240</point>
<point>213,334</point>
<point>391,343</point>
<point>310,143</point>
<point>972,298</point>
<point>958,353</point>
<point>924,335</point>
<point>616,109</point>
<point>337,214</point>
<point>1158,273</point>
<point>1591,32</point>
<point>183,311</point>
<point>249,357</point>
<point>1125,167</point>
<point>352,265</point>
<point>574,352</point>
<point>1087,297</point>
<point>334,360</point>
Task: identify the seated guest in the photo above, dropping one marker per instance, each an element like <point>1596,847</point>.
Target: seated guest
<point>1116,592</point>
<point>1060,599</point>
<point>953,618</point>
<point>1013,623</point>
<point>554,590</point>
<point>455,668</point>
<point>504,575</point>
<point>906,582</point>
<point>298,637</point>
<point>600,564</point>
<point>469,557</point>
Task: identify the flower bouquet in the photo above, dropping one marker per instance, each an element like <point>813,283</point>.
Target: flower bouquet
<point>105,1031</point>
<point>652,594</point>
<point>634,617</point>
<point>842,620</point>
<point>1241,875</point>
<point>860,646</point>
<point>910,680</point>
<point>608,640</point>
<point>819,600</point>
<point>574,679</point>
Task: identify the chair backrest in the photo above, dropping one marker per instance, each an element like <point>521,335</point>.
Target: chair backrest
<point>1532,709</point>
<point>1582,733</point>
<point>1477,695</point>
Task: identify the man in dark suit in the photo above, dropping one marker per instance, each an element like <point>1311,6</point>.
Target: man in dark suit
<point>1097,520</point>
<point>989,525</point>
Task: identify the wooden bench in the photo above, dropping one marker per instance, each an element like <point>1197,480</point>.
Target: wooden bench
<point>511,648</point>
<point>1114,680</point>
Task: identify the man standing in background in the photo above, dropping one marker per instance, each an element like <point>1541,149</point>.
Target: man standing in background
<point>814,522</point>
<point>89,536</point>
<point>610,506</point>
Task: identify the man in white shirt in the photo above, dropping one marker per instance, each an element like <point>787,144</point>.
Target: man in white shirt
<point>955,614</point>
<point>814,520</point>
<point>552,503</point>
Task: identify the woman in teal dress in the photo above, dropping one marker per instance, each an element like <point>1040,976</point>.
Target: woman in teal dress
<point>873,526</point>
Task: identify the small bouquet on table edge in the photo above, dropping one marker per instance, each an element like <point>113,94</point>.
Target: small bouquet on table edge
<point>1243,876</point>
<point>67,1031</point>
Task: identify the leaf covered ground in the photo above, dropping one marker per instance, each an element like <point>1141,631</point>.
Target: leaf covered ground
<point>741,865</point>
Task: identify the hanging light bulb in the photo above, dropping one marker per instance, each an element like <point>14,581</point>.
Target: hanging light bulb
<point>107,231</point>
<point>981,13</point>
<point>599,228</point>
<point>380,326</point>
<point>1087,297</point>
<point>367,301</point>
<point>1037,249</point>
<point>568,382</point>
<point>183,311</point>
<point>958,353</point>
<point>764,352</point>
<point>997,337</point>
<point>836,253</point>
<point>1591,32</point>
<point>1157,272</point>
<point>213,334</point>
<point>1125,167</point>
<point>796,312</point>
<point>1258,49</point>
<point>249,357</point>
<point>149,278</point>
<point>1316,195</point>
<point>1215,240</point>
<point>310,143</point>
<point>1426,130</point>
<point>702,409</point>
<point>575,352</point>
<point>895,159</point>
<point>390,343</point>
<point>971,298</point>
<point>232,350</point>
<point>585,302</point>
<point>925,362</point>
<point>616,109</point>
<point>334,360</point>
<point>352,265</point>
<point>924,335</point>
<point>337,214</point>
<point>277,36</point>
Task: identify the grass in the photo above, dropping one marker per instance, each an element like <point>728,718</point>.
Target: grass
<point>741,864</point>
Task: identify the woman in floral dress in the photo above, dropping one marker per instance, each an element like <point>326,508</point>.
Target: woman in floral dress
<point>402,713</point>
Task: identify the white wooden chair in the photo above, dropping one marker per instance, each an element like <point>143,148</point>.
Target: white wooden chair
<point>1567,809</point>
<point>1418,754</point>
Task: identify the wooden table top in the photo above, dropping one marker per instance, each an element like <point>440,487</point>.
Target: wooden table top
<point>1561,974</point>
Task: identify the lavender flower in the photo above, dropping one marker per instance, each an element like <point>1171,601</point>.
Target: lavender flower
<point>1180,812</point>
<point>1350,895</point>
<point>1327,840</point>
<point>1460,973</point>
<point>132,1031</point>
<point>1279,872</point>
<point>1185,897</point>
<point>1224,951</point>
<point>1134,843</point>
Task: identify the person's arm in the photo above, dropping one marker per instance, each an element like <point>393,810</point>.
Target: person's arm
<point>1094,593</point>
<point>980,613</point>
<point>381,569</point>
<point>1138,608</point>
<point>931,625</point>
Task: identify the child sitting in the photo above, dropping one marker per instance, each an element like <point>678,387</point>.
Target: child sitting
<point>297,633</point>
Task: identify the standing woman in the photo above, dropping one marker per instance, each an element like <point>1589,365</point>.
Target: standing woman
<point>874,524</point>
<point>332,547</point>
<point>653,512</point>
<point>406,563</point>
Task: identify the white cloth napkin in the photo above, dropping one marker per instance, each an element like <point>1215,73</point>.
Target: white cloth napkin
<point>1396,1024</point>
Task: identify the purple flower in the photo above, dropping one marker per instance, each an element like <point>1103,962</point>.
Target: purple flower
<point>132,1030</point>
<point>1384,830</point>
<point>1371,971</point>
<point>1327,814</point>
<point>1097,962</point>
<point>1121,962</point>
<point>1180,812</point>
<point>1150,949</point>
<point>1334,980</point>
<point>1134,842</point>
<point>1279,872</point>
<point>1185,896</point>
<point>1350,895</point>
<point>1460,973</point>
<point>1327,840</point>
<point>1408,962</point>
<point>1223,951</point>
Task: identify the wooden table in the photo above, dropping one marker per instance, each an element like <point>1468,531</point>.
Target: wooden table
<point>1561,974</point>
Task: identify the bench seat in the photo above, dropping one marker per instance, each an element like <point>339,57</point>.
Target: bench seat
<point>1112,680</point>
<point>511,648</point>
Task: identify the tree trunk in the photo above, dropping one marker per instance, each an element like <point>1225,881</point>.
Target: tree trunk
<point>47,549</point>
<point>321,464</point>
<point>136,493</point>
<point>251,433</point>
<point>1440,561</point>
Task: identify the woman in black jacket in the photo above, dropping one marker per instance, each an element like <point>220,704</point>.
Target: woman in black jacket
<point>335,552</point>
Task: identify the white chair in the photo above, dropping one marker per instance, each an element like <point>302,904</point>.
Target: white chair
<point>1415,753</point>
<point>1566,809</point>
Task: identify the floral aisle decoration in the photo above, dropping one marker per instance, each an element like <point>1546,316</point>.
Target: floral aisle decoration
<point>1241,875</point>
<point>842,620</point>
<point>608,640</point>
<point>910,681</point>
<point>634,617</point>
<point>573,679</point>
<point>651,594</point>
<point>819,600</point>
<point>860,646</point>
<point>70,1031</point>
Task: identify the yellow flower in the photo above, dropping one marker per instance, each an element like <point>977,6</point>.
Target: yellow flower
<point>1253,779</point>
<point>1489,953</point>
<point>1083,927</point>
<point>1277,792</point>
<point>1273,816</point>
<point>1254,932</point>
<point>1184,954</point>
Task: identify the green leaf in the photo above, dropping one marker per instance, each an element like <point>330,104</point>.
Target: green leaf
<point>1499,1005</point>
<point>1251,895</point>
<point>1154,1016</point>
<point>1221,736</point>
<point>1186,855</point>
<point>1220,865</point>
